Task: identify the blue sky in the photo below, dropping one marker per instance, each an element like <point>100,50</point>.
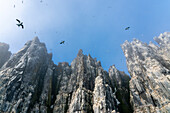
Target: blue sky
<point>96,26</point>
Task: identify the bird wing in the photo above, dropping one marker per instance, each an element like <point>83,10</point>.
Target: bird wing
<point>127,28</point>
<point>22,26</point>
<point>62,42</point>
<point>18,20</point>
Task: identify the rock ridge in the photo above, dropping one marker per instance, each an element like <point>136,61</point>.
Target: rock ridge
<point>30,82</point>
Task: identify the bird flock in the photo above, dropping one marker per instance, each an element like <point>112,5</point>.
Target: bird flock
<point>20,24</point>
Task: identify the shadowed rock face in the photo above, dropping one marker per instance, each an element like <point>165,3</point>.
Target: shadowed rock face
<point>149,66</point>
<point>4,53</point>
<point>30,82</point>
<point>22,78</point>
<point>120,83</point>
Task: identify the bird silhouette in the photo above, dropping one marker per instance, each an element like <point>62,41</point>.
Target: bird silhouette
<point>20,23</point>
<point>62,42</point>
<point>127,28</point>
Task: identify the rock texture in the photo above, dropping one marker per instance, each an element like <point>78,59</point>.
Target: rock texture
<point>31,83</point>
<point>4,53</point>
<point>149,66</point>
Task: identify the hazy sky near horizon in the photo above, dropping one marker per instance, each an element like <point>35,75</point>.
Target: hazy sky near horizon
<point>95,26</point>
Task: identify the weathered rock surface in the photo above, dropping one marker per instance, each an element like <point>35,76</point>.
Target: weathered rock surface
<point>149,66</point>
<point>120,81</point>
<point>4,53</point>
<point>22,78</point>
<point>31,83</point>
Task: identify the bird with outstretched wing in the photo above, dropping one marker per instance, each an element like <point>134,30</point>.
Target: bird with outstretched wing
<point>20,23</point>
<point>62,42</point>
<point>127,28</point>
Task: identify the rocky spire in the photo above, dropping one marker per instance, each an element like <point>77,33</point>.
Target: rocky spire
<point>149,66</point>
<point>31,82</point>
<point>80,53</point>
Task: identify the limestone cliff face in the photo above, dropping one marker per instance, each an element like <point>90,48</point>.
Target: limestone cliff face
<point>4,53</point>
<point>149,66</point>
<point>120,82</point>
<point>22,78</point>
<point>30,82</point>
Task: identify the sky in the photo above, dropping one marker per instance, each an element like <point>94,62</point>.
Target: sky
<point>95,26</point>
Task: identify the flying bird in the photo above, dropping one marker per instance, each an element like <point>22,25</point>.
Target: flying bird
<point>127,28</point>
<point>62,42</point>
<point>20,23</point>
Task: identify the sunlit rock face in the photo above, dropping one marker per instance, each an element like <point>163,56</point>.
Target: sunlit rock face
<point>4,53</point>
<point>149,66</point>
<point>31,83</point>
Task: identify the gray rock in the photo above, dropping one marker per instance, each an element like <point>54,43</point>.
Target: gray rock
<point>149,66</point>
<point>4,53</point>
<point>31,83</point>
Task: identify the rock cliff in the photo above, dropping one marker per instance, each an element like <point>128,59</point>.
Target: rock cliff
<point>31,83</point>
<point>4,53</point>
<point>149,66</point>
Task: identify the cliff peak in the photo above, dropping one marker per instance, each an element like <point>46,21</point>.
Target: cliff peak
<point>149,66</point>
<point>36,40</point>
<point>31,82</point>
<point>80,53</point>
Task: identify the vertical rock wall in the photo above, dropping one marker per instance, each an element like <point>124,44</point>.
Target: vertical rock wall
<point>149,66</point>
<point>31,83</point>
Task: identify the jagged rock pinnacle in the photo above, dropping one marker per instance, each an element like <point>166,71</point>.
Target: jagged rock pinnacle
<point>36,40</point>
<point>149,66</point>
<point>80,53</point>
<point>31,82</point>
